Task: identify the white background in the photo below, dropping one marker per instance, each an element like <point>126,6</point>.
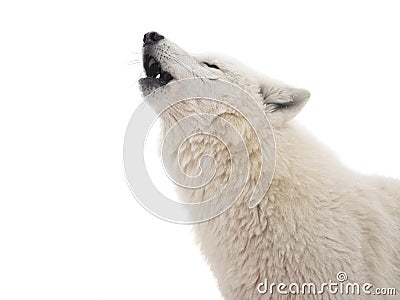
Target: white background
<point>69,226</point>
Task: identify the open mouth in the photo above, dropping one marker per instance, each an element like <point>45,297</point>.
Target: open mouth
<point>153,70</point>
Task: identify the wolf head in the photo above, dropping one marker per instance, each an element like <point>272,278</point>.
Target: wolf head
<point>165,62</point>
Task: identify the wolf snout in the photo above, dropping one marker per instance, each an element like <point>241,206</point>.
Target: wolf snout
<point>152,37</point>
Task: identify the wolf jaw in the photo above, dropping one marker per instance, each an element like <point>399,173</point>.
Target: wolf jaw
<point>163,62</point>
<point>155,76</point>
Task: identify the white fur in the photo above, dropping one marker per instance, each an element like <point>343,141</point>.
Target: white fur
<point>320,217</point>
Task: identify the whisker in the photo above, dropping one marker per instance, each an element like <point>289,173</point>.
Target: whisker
<point>134,62</point>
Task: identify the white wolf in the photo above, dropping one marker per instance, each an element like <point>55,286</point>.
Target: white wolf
<point>317,219</point>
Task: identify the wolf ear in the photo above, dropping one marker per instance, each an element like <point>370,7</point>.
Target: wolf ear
<point>283,103</point>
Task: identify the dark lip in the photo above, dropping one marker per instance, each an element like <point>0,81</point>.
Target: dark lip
<point>154,70</point>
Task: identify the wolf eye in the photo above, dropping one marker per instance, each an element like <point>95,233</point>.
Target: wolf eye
<point>211,66</point>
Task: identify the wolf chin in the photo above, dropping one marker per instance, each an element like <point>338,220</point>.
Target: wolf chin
<point>318,217</point>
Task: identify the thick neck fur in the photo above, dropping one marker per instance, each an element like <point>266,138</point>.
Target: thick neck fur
<point>302,159</point>
<point>296,234</point>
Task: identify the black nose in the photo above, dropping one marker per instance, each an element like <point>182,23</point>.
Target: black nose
<point>152,37</point>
